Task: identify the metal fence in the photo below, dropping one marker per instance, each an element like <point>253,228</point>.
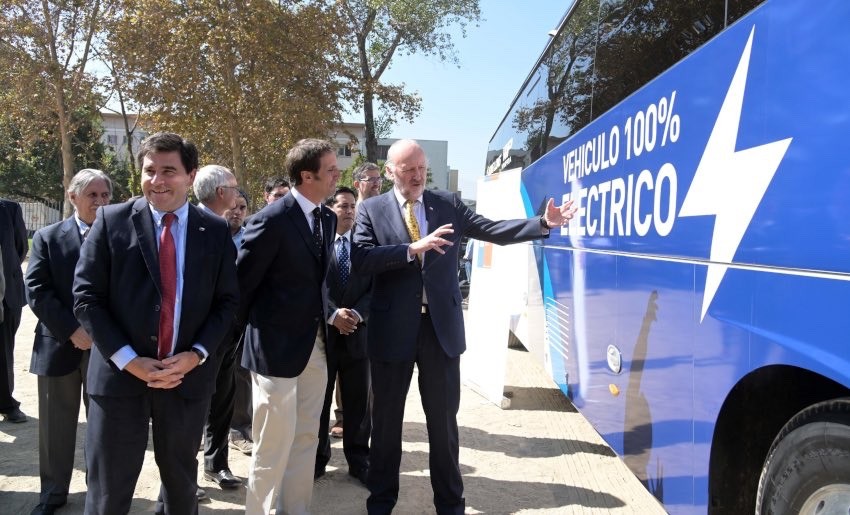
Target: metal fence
<point>37,213</point>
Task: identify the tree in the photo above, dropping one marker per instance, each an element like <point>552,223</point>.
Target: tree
<point>374,31</point>
<point>244,80</point>
<point>45,48</point>
<point>35,170</point>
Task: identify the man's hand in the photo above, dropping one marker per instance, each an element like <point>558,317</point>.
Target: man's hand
<point>346,321</point>
<point>557,216</point>
<point>433,241</point>
<point>154,372</point>
<point>81,339</point>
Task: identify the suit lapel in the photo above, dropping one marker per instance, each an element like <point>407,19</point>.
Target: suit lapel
<point>395,217</point>
<point>70,238</point>
<point>196,248</point>
<point>146,234</point>
<point>293,209</point>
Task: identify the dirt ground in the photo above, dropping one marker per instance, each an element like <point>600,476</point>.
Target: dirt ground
<point>539,457</point>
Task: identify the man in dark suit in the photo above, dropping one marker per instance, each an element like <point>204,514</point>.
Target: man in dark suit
<point>416,315</point>
<point>282,266</point>
<point>216,189</point>
<point>13,244</point>
<point>156,289</point>
<point>349,309</point>
<point>60,354</point>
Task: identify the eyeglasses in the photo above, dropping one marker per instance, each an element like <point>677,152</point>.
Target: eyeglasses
<point>230,187</point>
<point>372,179</point>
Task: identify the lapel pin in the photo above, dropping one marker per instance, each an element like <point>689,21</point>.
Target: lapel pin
<point>202,229</point>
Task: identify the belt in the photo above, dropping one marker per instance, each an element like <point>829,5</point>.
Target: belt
<point>425,310</point>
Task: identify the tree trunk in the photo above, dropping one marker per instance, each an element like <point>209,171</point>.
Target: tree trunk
<point>134,187</point>
<point>238,157</point>
<point>67,151</point>
<point>369,122</point>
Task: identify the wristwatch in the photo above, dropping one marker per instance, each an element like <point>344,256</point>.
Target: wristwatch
<point>201,357</point>
<point>543,223</point>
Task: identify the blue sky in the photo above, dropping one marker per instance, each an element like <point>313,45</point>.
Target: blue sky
<point>463,105</point>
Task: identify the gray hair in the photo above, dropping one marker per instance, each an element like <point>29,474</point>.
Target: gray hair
<point>86,176</point>
<point>360,172</point>
<point>208,179</point>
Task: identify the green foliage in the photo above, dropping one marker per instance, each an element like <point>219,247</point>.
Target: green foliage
<point>33,168</point>
<point>374,31</point>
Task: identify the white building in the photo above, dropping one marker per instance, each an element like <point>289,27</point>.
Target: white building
<point>115,134</point>
<point>437,152</point>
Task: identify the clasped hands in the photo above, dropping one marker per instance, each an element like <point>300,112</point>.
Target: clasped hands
<point>346,321</point>
<point>167,373</point>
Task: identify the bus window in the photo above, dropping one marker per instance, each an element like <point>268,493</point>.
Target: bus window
<point>650,36</point>
<point>738,8</point>
<point>562,101</point>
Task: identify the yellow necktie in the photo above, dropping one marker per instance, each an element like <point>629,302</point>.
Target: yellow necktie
<point>410,221</point>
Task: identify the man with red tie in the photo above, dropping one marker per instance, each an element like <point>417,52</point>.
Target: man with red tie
<point>156,289</point>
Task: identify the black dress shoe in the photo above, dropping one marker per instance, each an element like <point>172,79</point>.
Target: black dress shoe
<point>201,494</point>
<point>46,509</point>
<point>15,416</point>
<point>360,474</point>
<point>223,478</point>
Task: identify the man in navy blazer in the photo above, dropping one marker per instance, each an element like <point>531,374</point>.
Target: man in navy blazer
<point>156,289</point>
<point>349,314</point>
<point>282,266</point>
<point>406,238</point>
<point>60,354</point>
<point>13,245</point>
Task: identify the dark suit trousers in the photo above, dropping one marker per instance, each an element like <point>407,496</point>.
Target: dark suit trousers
<point>243,403</point>
<point>116,440</point>
<point>217,428</point>
<point>357,424</point>
<point>58,415</point>
<point>8,328</point>
<point>439,386</point>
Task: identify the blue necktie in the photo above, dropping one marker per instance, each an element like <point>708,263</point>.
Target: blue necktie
<point>343,261</point>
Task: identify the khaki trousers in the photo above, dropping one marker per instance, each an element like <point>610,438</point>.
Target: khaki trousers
<point>285,433</point>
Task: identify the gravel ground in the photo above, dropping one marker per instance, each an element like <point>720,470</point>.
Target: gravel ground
<point>539,456</point>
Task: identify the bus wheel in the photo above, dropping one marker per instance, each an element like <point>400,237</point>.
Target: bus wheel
<point>808,467</point>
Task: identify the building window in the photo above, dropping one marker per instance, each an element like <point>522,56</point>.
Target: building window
<point>112,140</point>
<point>343,151</point>
<point>382,152</point>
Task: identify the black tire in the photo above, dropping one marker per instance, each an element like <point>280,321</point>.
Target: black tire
<point>808,467</point>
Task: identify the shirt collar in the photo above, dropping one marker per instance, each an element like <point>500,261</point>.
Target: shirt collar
<point>182,213</point>
<point>401,200</point>
<point>303,202</point>
<point>81,225</point>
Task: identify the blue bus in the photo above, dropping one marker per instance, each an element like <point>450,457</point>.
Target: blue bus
<point>697,308</point>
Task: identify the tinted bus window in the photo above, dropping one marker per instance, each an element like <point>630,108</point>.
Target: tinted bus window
<point>737,8</point>
<point>639,39</point>
<point>564,84</point>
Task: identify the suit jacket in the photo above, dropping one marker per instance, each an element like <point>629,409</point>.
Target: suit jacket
<point>50,278</point>
<point>356,295</point>
<point>282,285</point>
<point>381,242</point>
<point>13,244</point>
<point>117,294</point>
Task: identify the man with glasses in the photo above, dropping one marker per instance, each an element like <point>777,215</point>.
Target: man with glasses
<point>215,186</point>
<point>367,181</point>
<point>275,189</point>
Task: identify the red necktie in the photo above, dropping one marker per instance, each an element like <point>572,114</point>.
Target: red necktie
<point>168,285</point>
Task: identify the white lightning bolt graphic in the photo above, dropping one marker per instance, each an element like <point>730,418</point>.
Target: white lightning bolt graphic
<point>730,184</point>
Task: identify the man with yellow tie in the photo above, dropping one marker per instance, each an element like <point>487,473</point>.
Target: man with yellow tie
<point>406,239</point>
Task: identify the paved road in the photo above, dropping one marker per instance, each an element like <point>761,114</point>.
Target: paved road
<point>538,457</point>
